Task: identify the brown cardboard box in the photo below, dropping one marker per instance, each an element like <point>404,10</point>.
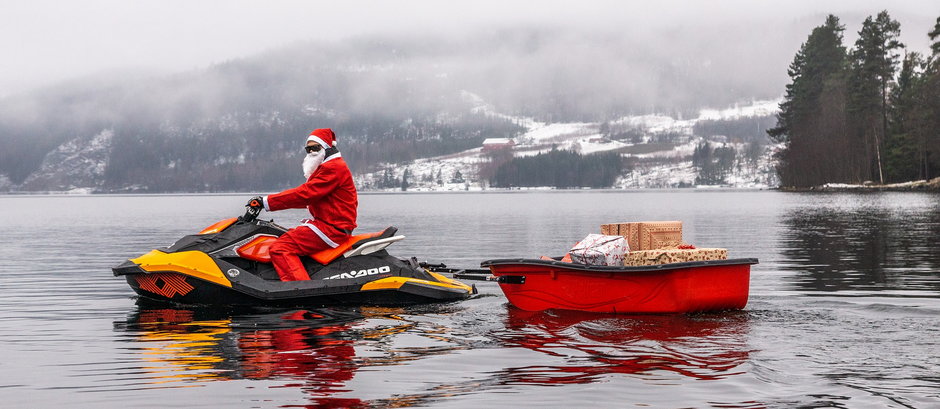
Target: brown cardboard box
<point>646,235</point>
<point>666,256</point>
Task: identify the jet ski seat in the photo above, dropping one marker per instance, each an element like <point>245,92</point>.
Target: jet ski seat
<point>359,244</point>
<point>259,248</point>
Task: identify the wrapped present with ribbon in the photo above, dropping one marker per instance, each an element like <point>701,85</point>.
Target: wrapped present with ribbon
<point>599,250</point>
<point>647,235</point>
<point>673,255</point>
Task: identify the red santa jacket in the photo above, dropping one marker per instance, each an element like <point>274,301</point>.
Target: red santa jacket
<point>329,195</point>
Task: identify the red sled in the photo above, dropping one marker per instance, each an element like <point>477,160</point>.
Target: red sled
<point>694,286</point>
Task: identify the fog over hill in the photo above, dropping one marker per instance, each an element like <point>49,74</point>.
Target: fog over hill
<point>391,98</point>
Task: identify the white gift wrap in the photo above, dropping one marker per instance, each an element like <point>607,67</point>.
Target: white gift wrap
<point>600,250</point>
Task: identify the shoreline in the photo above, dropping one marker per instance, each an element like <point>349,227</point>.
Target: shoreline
<point>932,185</point>
<point>386,192</point>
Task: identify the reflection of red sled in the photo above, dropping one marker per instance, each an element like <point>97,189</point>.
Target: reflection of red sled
<point>593,345</point>
<point>537,285</point>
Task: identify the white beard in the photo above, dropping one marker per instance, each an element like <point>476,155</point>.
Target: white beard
<point>312,161</point>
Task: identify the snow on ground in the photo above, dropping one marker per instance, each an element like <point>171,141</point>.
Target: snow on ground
<point>681,173</point>
<point>914,184</point>
<point>587,145</point>
<point>77,163</point>
<point>5,183</point>
<point>667,168</point>
<point>755,108</point>
<point>679,151</point>
<point>480,106</point>
<point>658,176</point>
<point>657,124</point>
<point>867,185</point>
<point>592,145</point>
<point>541,133</point>
<point>530,152</point>
<point>431,173</point>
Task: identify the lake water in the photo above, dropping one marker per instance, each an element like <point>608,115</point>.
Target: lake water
<point>844,310</point>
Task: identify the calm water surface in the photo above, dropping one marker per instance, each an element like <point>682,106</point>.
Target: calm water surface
<point>844,310</point>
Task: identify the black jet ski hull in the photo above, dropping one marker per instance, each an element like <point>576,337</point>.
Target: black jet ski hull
<point>207,269</point>
<point>199,292</point>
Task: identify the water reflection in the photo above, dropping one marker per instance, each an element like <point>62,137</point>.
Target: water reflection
<point>58,312</point>
<point>315,350</point>
<point>872,247</point>
<point>702,347</point>
<point>311,349</point>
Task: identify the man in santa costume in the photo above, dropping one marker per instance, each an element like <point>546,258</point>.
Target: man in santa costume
<point>328,194</point>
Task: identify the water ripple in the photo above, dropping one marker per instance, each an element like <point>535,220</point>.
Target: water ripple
<point>842,313</point>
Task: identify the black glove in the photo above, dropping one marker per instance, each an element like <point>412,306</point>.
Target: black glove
<point>256,201</point>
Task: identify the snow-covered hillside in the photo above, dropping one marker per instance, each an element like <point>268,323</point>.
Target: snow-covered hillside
<point>659,149</point>
<point>76,166</point>
<point>658,165</point>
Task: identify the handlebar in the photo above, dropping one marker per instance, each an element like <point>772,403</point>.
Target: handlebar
<point>251,214</point>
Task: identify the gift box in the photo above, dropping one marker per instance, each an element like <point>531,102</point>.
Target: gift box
<point>666,256</point>
<point>646,235</point>
<point>599,250</point>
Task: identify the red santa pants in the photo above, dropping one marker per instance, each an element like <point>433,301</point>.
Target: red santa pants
<point>299,241</point>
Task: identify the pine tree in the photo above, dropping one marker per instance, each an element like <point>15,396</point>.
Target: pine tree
<point>404,179</point>
<point>561,169</point>
<point>903,148</point>
<point>813,143</point>
<point>934,36</point>
<point>923,120</point>
<point>457,178</point>
<point>386,180</point>
<point>604,129</point>
<point>874,61</point>
<point>930,101</point>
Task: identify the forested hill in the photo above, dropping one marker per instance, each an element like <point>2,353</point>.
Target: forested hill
<point>233,125</point>
<point>238,125</point>
<point>869,112</point>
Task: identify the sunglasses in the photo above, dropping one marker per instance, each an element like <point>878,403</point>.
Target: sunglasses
<point>313,148</point>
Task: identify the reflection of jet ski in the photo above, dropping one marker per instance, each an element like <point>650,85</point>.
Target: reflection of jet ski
<point>228,263</point>
<point>311,348</point>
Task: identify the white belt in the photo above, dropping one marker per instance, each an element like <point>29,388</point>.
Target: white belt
<point>323,236</point>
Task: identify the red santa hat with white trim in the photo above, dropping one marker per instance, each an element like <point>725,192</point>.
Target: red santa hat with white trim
<point>324,136</point>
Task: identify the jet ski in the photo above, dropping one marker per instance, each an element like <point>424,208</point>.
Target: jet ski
<point>228,263</point>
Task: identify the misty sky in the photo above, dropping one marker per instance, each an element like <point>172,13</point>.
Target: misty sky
<point>43,42</point>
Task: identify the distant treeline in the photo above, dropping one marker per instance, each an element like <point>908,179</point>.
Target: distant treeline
<point>560,169</point>
<point>400,143</point>
<point>747,129</point>
<point>712,164</point>
<point>234,126</point>
<point>259,156</point>
<point>237,125</point>
<point>869,113</point>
